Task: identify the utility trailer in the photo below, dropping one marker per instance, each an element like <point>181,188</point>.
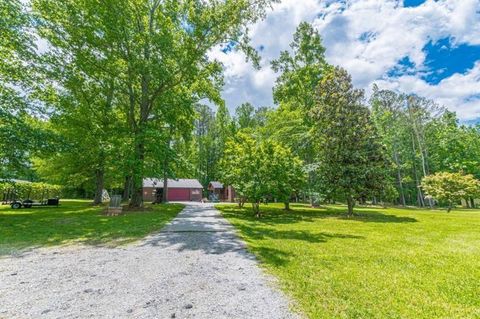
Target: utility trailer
<point>28,203</point>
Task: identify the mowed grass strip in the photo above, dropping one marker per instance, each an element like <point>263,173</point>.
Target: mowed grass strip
<point>77,221</point>
<point>382,263</point>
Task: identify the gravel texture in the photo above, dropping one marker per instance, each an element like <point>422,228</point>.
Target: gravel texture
<point>196,267</point>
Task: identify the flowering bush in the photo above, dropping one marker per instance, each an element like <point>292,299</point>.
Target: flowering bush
<point>451,187</point>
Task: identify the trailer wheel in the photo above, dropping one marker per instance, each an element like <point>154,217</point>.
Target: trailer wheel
<point>16,205</point>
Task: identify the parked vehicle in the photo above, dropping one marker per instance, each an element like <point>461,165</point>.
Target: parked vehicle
<point>28,203</point>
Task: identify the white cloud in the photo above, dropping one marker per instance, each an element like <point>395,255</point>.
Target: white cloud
<point>460,92</point>
<point>393,32</point>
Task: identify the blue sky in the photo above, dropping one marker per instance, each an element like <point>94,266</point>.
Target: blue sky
<point>412,3</point>
<point>444,59</point>
<point>426,47</point>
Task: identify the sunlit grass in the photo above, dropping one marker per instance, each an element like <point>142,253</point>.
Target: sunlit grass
<point>77,221</point>
<point>383,263</point>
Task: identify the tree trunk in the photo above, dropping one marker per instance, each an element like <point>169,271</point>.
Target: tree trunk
<point>256,209</point>
<point>137,176</point>
<point>165,188</point>
<point>127,187</point>
<point>420,200</point>
<point>423,158</point>
<point>165,171</point>
<point>137,193</point>
<point>241,202</point>
<point>399,177</point>
<point>351,205</point>
<point>140,126</point>
<point>99,184</point>
<point>287,205</point>
<point>450,206</point>
<point>472,202</point>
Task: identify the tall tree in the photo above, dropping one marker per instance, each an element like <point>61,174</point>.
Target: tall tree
<point>351,161</point>
<point>212,130</point>
<point>204,144</point>
<point>421,138</point>
<point>300,70</point>
<point>223,129</point>
<point>295,91</point>
<point>420,112</point>
<point>245,116</point>
<point>261,116</point>
<point>453,147</point>
<point>388,116</point>
<point>20,133</point>
<point>160,51</point>
<point>86,155</point>
<point>86,111</point>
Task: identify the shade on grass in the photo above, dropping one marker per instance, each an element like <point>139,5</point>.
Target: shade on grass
<point>77,221</point>
<point>384,263</point>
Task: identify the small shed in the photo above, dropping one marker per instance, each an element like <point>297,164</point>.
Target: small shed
<point>178,190</point>
<point>221,192</point>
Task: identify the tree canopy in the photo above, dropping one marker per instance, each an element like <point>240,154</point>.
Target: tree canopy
<point>124,78</point>
<point>124,90</point>
<point>261,171</point>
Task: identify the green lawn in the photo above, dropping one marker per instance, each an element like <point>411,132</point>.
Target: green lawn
<point>383,263</point>
<point>76,221</point>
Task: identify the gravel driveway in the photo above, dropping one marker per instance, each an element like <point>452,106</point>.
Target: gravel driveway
<point>196,267</point>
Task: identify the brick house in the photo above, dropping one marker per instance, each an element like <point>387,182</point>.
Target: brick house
<point>223,193</point>
<point>178,190</point>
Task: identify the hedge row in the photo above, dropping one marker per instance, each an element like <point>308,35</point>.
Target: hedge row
<point>26,190</point>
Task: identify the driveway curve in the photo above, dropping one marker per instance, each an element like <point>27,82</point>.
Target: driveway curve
<point>195,267</point>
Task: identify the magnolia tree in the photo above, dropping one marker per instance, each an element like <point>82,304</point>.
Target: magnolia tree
<point>350,158</point>
<point>260,170</point>
<point>451,188</point>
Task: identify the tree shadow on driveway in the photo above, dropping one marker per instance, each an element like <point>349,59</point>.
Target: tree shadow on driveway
<point>229,243</point>
<point>202,229</point>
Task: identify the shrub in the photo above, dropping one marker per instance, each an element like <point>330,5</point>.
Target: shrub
<point>451,187</point>
<point>27,190</point>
